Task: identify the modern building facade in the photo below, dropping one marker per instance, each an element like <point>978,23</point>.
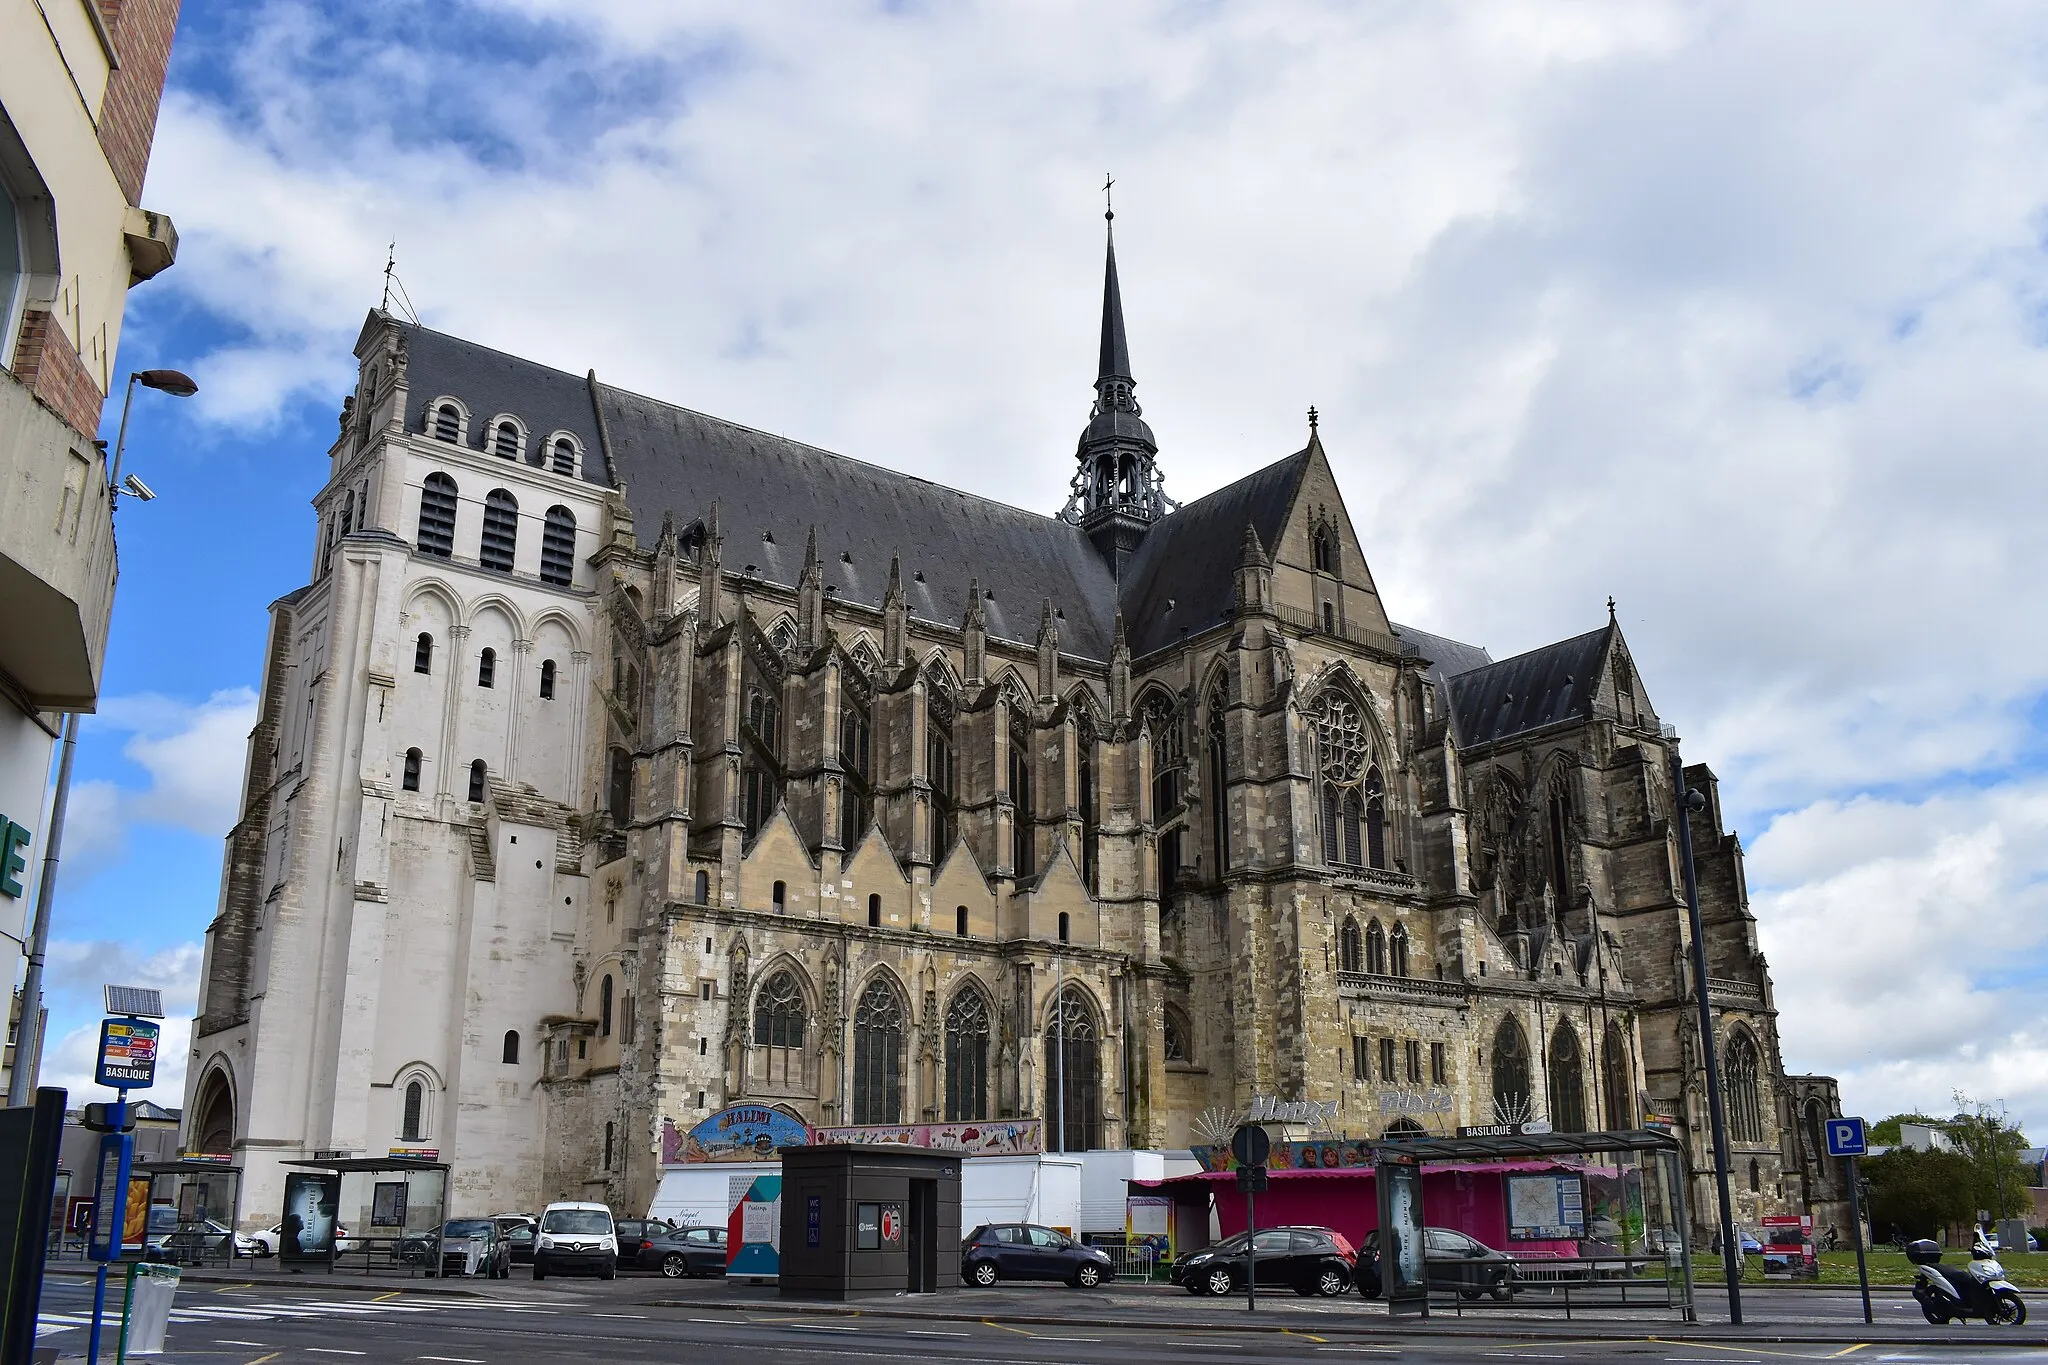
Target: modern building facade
<point>618,763</point>
<point>80,81</point>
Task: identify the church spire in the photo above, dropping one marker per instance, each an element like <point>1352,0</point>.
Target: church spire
<point>1116,489</point>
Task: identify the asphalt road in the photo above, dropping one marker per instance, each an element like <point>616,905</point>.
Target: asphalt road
<point>288,1324</point>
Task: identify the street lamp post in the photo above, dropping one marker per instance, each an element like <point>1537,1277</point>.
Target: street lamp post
<point>28,1052</point>
<point>1731,1249</point>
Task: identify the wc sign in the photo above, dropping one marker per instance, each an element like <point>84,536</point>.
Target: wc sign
<point>1845,1137</point>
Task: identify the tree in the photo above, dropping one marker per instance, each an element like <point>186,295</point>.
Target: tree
<point>1885,1132</point>
<point>1983,1135</point>
<point>1920,1193</point>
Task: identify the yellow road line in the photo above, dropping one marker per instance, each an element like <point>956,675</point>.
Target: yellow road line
<point>991,1322</point>
<point>1311,1336</point>
<point>392,1295</point>
<point>1846,1350</point>
<point>260,1359</point>
<point>235,1288</point>
<point>1739,1350</point>
<point>1527,1345</point>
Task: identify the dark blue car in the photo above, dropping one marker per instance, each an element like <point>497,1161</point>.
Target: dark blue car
<point>1026,1251</point>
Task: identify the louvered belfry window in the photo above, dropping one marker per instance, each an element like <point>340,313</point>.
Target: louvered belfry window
<point>437,516</point>
<point>558,547</point>
<point>565,458</point>
<point>501,531</point>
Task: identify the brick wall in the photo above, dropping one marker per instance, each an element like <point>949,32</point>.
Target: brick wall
<point>142,32</point>
<point>48,365</point>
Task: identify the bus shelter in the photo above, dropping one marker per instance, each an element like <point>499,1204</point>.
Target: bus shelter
<point>1590,1220</point>
<point>193,1208</point>
<point>364,1213</point>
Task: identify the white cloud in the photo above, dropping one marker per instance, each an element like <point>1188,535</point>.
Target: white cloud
<point>76,972</point>
<point>193,756</point>
<point>1907,940</point>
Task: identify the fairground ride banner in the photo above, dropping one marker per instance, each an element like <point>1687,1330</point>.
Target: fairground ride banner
<point>1001,1137</point>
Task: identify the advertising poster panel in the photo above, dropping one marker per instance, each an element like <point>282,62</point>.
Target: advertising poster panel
<point>753,1226</point>
<point>310,1201</point>
<point>1403,1280</point>
<point>994,1137</point>
<point>1788,1247</point>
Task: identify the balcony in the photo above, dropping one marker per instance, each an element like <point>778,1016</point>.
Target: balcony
<point>1374,986</point>
<point>1734,994</point>
<point>57,562</point>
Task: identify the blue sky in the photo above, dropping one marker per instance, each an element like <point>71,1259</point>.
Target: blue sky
<point>1732,311</point>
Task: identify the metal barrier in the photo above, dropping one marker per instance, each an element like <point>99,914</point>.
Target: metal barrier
<point>1131,1262</point>
<point>1578,1283</point>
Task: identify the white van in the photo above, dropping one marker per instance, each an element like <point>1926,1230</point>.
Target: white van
<point>576,1238</point>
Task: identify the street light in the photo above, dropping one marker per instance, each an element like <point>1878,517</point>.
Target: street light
<point>28,1052</point>
<point>1731,1249</point>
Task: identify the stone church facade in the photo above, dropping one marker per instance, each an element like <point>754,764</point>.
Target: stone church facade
<point>870,799</point>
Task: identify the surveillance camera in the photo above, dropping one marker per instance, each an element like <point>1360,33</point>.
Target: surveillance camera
<point>136,488</point>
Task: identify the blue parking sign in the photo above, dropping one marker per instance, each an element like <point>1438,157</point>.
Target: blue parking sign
<point>1845,1137</point>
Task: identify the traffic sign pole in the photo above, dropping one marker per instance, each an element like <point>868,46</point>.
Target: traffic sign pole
<point>127,1062</point>
<point>1845,1139</point>
<point>1856,1230</point>
<point>1251,1251</point>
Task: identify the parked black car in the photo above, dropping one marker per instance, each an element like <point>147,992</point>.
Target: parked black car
<point>517,1230</point>
<point>1452,1260</point>
<point>1026,1251</point>
<point>635,1234</point>
<point>684,1253</point>
<point>1308,1260</point>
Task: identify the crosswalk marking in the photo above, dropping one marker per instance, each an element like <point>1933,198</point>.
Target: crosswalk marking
<point>222,1313</point>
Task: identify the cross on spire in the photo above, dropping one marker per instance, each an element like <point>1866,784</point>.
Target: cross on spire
<point>1108,208</point>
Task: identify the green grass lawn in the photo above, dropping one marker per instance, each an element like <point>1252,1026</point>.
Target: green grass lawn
<point>2027,1269</point>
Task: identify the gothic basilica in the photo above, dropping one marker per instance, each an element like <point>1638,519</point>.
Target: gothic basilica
<point>881,802</point>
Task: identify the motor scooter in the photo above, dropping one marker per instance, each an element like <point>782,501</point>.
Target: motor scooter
<point>1979,1291</point>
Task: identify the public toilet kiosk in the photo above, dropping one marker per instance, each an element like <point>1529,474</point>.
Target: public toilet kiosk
<point>869,1220</point>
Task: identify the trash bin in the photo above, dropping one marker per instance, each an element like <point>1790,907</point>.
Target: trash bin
<point>146,1318</point>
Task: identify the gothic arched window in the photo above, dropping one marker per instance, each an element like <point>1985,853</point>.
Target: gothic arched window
<point>1073,1073</point>
<point>1084,767</point>
<point>1219,790</point>
<point>1511,1098</point>
<point>1023,846</point>
<point>413,1125</point>
<point>779,1030</point>
<point>437,515</point>
<point>1376,949</point>
<point>619,786</point>
<point>558,547</point>
<point>1741,1077</point>
<point>1169,758</point>
<point>1322,548</point>
<point>1614,1080</point>
<point>878,1055</point>
<point>1397,951</point>
<point>938,762</point>
<point>1567,1082</point>
<point>1342,753</point>
<point>1558,813</point>
<point>1180,1035</point>
<point>1816,1119</point>
<point>604,1006</point>
<point>1375,817</point>
<point>967,1034</point>
<point>1350,947</point>
<point>760,767</point>
<point>500,542</point>
<point>856,760</point>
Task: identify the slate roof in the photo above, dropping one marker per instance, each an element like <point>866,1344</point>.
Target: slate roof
<point>674,460</point>
<point>492,382</point>
<point>1543,687</point>
<point>1189,558</point>
<point>1447,657</point>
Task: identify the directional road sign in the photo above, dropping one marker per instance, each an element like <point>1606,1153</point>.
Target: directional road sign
<point>1845,1137</point>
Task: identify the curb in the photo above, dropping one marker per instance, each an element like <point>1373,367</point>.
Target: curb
<point>1578,1329</point>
